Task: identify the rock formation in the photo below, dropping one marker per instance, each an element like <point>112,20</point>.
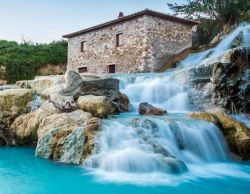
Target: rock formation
<point>6,136</point>
<point>222,81</point>
<point>14,102</point>
<point>69,139</point>
<point>148,109</point>
<point>101,97</point>
<point>236,134</point>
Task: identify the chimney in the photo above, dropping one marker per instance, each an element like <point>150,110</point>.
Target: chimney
<point>121,15</point>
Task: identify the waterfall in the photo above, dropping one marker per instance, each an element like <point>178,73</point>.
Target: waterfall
<point>152,149</point>
<point>242,32</point>
<point>160,90</point>
<point>35,103</point>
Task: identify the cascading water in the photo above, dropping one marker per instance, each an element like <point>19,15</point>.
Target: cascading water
<point>242,32</point>
<point>160,90</point>
<point>148,149</point>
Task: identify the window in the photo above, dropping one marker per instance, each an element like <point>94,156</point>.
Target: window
<point>119,39</point>
<point>111,68</point>
<point>82,69</point>
<point>83,46</point>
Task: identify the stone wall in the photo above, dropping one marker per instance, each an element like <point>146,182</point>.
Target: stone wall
<point>165,38</point>
<point>146,43</point>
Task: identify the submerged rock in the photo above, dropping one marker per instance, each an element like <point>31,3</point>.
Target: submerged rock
<point>236,134</point>
<point>14,102</point>
<point>148,109</point>
<point>175,166</point>
<point>148,131</point>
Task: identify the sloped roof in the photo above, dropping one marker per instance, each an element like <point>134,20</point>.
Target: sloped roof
<point>132,16</point>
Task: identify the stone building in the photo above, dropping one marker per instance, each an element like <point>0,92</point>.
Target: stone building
<point>140,42</point>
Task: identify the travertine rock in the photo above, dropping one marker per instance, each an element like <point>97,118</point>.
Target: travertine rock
<point>25,126</point>
<point>99,106</point>
<point>13,102</point>
<point>236,134</point>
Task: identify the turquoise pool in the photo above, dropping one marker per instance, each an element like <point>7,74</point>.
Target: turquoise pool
<point>22,173</point>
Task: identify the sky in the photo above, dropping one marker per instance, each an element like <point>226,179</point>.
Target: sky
<point>47,20</point>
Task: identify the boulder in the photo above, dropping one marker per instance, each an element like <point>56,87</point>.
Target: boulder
<point>14,102</point>
<point>68,137</point>
<point>76,86</point>
<point>204,116</point>
<point>236,134</point>
<point>73,83</point>
<point>101,97</point>
<point>25,127</point>
<point>148,109</point>
<point>61,120</point>
<point>99,106</point>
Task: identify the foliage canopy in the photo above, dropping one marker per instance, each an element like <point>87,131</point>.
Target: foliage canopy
<point>22,60</point>
<point>213,14</point>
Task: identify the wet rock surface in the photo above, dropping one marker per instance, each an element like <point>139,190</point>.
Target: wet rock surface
<point>70,141</point>
<point>148,109</point>
<point>236,133</point>
<point>222,81</point>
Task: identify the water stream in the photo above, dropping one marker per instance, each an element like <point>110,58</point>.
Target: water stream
<point>242,33</point>
<point>152,150</point>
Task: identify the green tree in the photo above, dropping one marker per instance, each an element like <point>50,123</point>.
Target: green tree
<point>23,60</point>
<point>222,11</point>
<point>213,14</point>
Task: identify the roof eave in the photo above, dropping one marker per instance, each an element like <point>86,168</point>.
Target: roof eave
<point>132,16</point>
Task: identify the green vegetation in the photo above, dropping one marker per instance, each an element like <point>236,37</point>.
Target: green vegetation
<point>23,60</point>
<point>213,14</point>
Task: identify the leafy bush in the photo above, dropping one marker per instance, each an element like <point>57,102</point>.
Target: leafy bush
<point>23,60</point>
<point>213,14</point>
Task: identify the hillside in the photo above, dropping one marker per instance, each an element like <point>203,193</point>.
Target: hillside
<point>28,59</point>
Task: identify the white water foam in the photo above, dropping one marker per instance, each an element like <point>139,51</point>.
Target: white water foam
<point>242,31</point>
<point>163,150</point>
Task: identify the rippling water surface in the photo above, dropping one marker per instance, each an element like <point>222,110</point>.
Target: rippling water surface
<point>22,173</point>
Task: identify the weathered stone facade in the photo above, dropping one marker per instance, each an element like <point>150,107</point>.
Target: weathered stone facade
<point>146,43</point>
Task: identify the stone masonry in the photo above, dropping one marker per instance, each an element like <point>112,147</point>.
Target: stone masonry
<point>147,39</point>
